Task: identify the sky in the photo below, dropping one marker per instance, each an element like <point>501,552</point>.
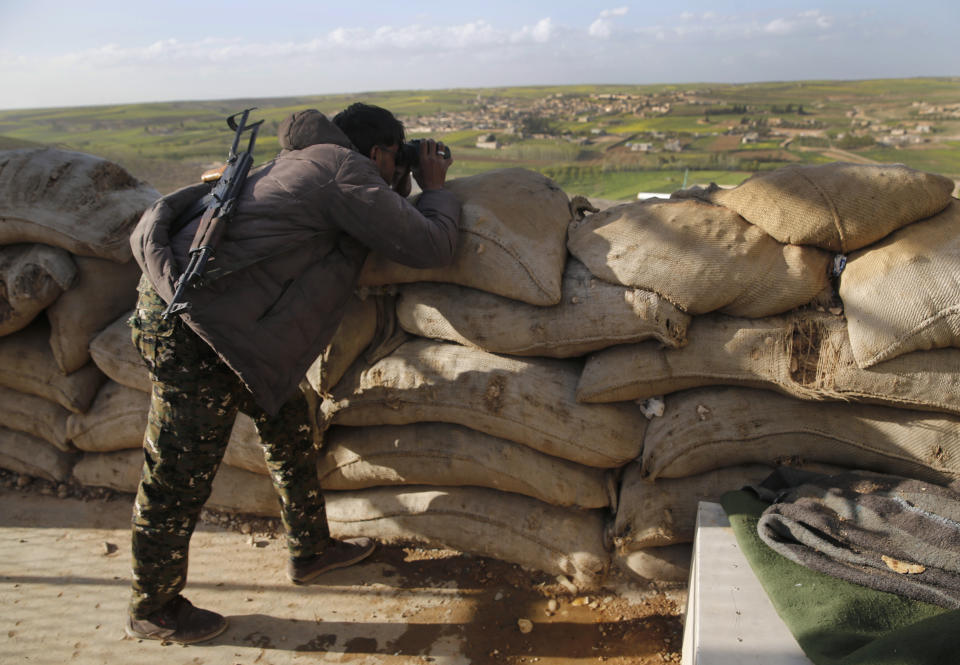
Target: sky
<point>57,53</point>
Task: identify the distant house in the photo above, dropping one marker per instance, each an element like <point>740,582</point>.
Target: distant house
<point>750,137</point>
<point>640,147</point>
<point>488,142</point>
<point>673,145</point>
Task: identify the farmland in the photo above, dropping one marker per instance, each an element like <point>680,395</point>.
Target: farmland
<point>603,141</point>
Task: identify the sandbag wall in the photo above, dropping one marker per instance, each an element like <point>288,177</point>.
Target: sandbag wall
<point>66,271</point>
<point>564,393</point>
<point>495,352</point>
<point>866,375</point>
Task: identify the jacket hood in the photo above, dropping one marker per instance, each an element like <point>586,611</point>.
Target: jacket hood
<point>310,127</point>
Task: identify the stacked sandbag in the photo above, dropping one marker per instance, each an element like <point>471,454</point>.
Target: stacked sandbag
<point>66,271</point>
<point>868,377</point>
<point>469,434</point>
<point>567,390</point>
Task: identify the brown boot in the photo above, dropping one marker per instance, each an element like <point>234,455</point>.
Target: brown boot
<point>338,554</point>
<point>178,621</point>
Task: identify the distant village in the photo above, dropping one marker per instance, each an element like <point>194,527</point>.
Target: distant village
<point>555,116</point>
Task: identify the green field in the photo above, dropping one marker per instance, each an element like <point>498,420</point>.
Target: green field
<point>586,151</point>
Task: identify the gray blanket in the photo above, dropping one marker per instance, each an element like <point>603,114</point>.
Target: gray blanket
<point>885,532</point>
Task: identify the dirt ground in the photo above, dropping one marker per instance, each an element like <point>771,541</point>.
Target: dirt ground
<point>64,585</point>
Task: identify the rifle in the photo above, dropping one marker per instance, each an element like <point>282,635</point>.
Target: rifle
<point>220,206</point>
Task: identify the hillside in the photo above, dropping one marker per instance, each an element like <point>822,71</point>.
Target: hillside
<point>603,141</point>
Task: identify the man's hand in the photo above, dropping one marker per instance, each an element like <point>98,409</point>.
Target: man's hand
<point>403,184</point>
<point>432,172</point>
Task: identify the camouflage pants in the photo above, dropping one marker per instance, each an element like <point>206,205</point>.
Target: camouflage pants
<point>193,406</point>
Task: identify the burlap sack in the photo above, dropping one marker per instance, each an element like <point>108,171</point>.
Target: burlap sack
<point>593,314</point>
<point>484,522</point>
<point>455,456</point>
<point>355,332</point>
<point>806,355</point>
<point>26,454</point>
<point>839,207</point>
<point>31,278</point>
<point>244,450</point>
<point>35,416</point>
<point>670,563</point>
<point>81,203</point>
<point>234,490</point>
<point>903,294</point>
<point>701,257</point>
<point>113,352</point>
<point>526,400</point>
<point>512,233</point>
<point>711,428</point>
<point>654,514</point>
<point>104,290</point>
<point>27,365</point>
<point>115,421</point>
<point>118,417</point>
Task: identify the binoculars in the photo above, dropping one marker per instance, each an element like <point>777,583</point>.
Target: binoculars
<point>409,153</point>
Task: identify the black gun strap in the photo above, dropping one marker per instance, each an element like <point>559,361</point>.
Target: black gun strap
<point>190,213</point>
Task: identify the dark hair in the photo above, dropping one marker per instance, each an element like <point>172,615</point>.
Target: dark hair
<point>367,125</point>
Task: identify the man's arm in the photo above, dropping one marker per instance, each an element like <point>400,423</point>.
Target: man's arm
<point>424,236</point>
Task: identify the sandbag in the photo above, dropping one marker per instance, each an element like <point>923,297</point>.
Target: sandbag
<point>114,353</point>
<point>654,514</point>
<point>806,355</point>
<point>711,428</point>
<point>527,400</point>
<point>355,332</point>
<point>903,294</point>
<point>840,206</point>
<point>118,418</point>
<point>35,416</point>
<point>455,456</point>
<point>31,278</point>
<point>78,202</point>
<point>104,290</point>
<point>27,365</point>
<point>115,421</point>
<point>26,454</point>
<point>234,490</point>
<point>593,314</point>
<point>670,563</point>
<point>244,450</point>
<point>513,228</point>
<point>479,521</point>
<point>701,257</point>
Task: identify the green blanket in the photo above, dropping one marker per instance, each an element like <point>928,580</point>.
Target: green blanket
<point>838,622</point>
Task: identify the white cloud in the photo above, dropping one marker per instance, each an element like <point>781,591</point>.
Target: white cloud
<point>602,28</point>
<point>541,32</point>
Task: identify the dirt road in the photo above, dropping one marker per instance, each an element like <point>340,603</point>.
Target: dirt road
<point>64,584</point>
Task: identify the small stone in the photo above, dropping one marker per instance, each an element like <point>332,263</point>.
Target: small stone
<point>23,480</point>
<point>836,311</point>
<point>525,625</point>
<point>498,595</point>
<point>565,582</point>
<point>552,604</point>
<point>62,492</point>
<point>245,528</point>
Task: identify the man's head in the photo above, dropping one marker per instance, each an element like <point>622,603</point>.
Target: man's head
<point>375,132</point>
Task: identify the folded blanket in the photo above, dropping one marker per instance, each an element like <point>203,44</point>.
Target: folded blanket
<point>886,532</point>
<point>837,622</point>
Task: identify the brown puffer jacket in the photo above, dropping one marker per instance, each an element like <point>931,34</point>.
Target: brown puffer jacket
<point>289,260</point>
